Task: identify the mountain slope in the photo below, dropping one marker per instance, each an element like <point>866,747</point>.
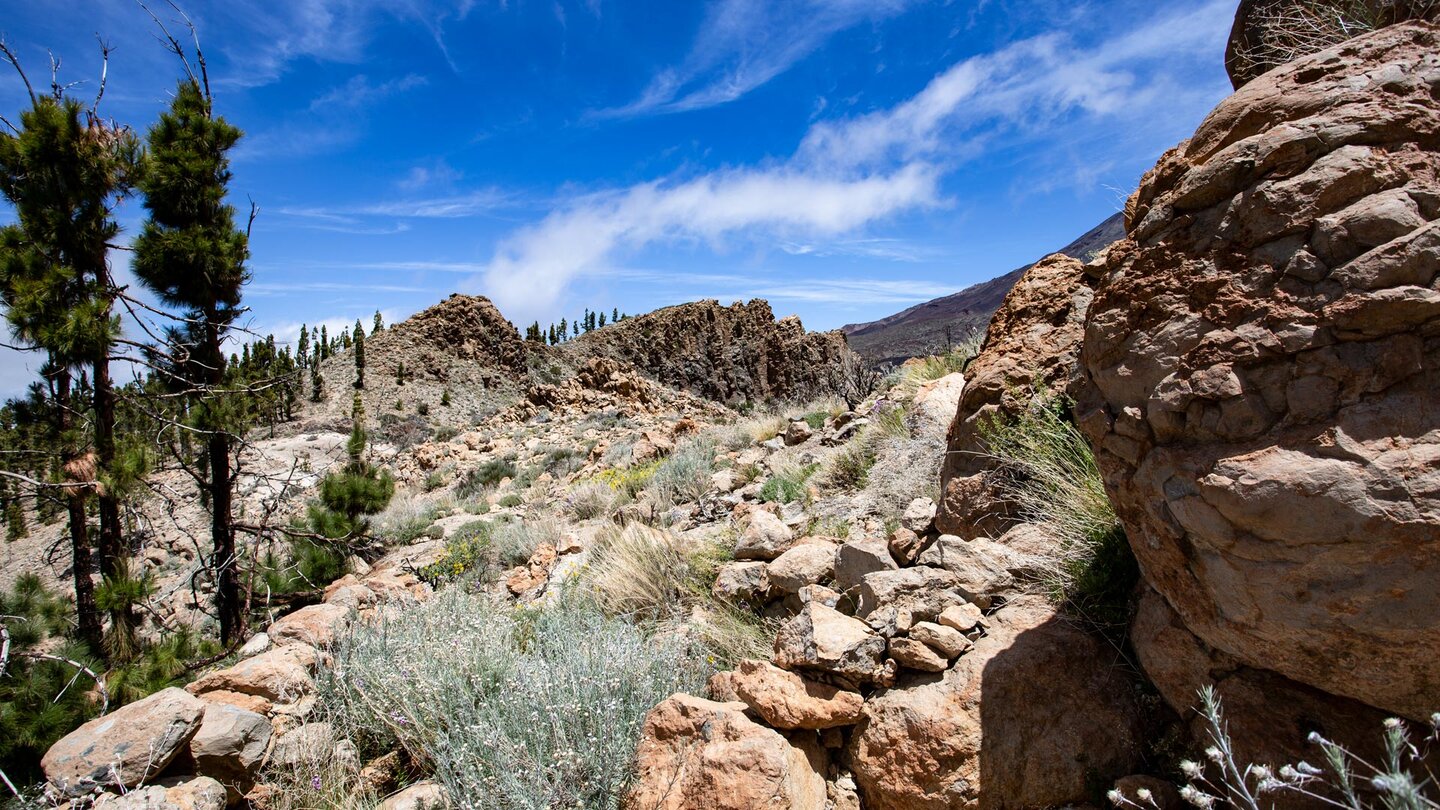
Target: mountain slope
<point>921,329</point>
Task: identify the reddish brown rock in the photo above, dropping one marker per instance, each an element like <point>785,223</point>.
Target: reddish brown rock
<point>1260,368</point>
<point>697,753</point>
<point>786,700</point>
<point>280,675</point>
<point>1029,717</point>
<point>315,625</point>
<point>1031,344</point>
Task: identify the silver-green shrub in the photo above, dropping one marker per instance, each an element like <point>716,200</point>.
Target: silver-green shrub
<point>510,709</point>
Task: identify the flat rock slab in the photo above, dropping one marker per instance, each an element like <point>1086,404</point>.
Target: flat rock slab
<point>125,747</point>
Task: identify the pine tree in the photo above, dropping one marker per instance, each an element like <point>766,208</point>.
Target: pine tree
<point>359,344</point>
<point>615,315</point>
<point>379,324</point>
<point>15,528</point>
<point>400,373</point>
<point>602,319</point>
<point>62,171</point>
<point>345,339</point>
<point>302,347</point>
<point>349,497</point>
<point>317,383</point>
<point>324,344</point>
<point>191,253</point>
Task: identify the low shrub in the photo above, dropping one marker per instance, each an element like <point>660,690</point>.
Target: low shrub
<point>486,476</point>
<point>849,469</point>
<point>788,485</point>
<point>470,554</point>
<point>628,480</point>
<point>684,475</point>
<point>405,520</point>
<point>514,710</point>
<point>563,461</point>
<point>510,501</point>
<point>588,501</point>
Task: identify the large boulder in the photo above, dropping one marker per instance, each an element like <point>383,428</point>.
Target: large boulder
<point>125,747</point>
<point>230,745</point>
<point>279,675</point>
<point>699,753</point>
<point>891,602</point>
<point>1269,717</point>
<point>1032,716</point>
<point>1031,344</point>
<point>315,625</point>
<point>1260,367</point>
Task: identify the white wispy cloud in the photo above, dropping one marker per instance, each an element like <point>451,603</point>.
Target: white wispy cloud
<point>334,119</point>
<point>1026,87</point>
<point>455,206</point>
<point>531,268</point>
<point>849,174</point>
<point>278,34</point>
<point>742,44</point>
<point>819,289</point>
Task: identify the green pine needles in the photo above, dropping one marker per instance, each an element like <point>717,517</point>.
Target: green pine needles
<point>350,496</point>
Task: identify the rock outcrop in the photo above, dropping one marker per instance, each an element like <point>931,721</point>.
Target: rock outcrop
<point>738,353</point>
<point>126,747</point>
<point>1261,361</point>
<point>1027,718</point>
<point>1270,33</point>
<point>1032,344</point>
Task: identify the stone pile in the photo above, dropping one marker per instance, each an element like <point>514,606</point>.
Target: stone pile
<point>203,747</point>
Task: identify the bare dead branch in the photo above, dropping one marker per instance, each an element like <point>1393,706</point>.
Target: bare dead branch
<point>170,42</point>
<point>104,72</point>
<point>15,63</point>
<point>82,670</point>
<point>199,54</point>
<point>62,485</point>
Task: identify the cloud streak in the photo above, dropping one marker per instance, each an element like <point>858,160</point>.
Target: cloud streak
<point>743,44</point>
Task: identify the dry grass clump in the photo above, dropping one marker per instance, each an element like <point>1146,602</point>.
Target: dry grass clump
<point>656,578</point>
<point>406,519</point>
<point>589,500</point>
<point>1049,473</point>
<point>507,708</point>
<point>1291,30</point>
<point>684,475</point>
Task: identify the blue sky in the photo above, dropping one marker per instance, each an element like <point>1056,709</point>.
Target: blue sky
<point>842,158</point>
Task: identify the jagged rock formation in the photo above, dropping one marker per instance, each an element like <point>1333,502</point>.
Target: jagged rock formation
<point>1270,33</point>
<point>1032,344</point>
<point>738,353</point>
<point>1261,362</point>
<point>922,329</point>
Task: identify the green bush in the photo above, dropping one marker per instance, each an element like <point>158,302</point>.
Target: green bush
<point>487,475</point>
<point>470,554</point>
<point>510,501</point>
<point>38,705</point>
<point>788,485</point>
<point>513,710</point>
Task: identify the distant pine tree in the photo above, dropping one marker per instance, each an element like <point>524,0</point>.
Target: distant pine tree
<point>349,497</point>
<point>379,324</point>
<point>359,344</point>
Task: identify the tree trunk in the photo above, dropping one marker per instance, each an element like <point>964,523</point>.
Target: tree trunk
<point>81,565</point>
<point>112,544</point>
<point>222,534</point>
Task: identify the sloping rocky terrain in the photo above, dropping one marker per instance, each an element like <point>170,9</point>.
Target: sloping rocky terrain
<point>921,329</point>
<point>1253,367</point>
